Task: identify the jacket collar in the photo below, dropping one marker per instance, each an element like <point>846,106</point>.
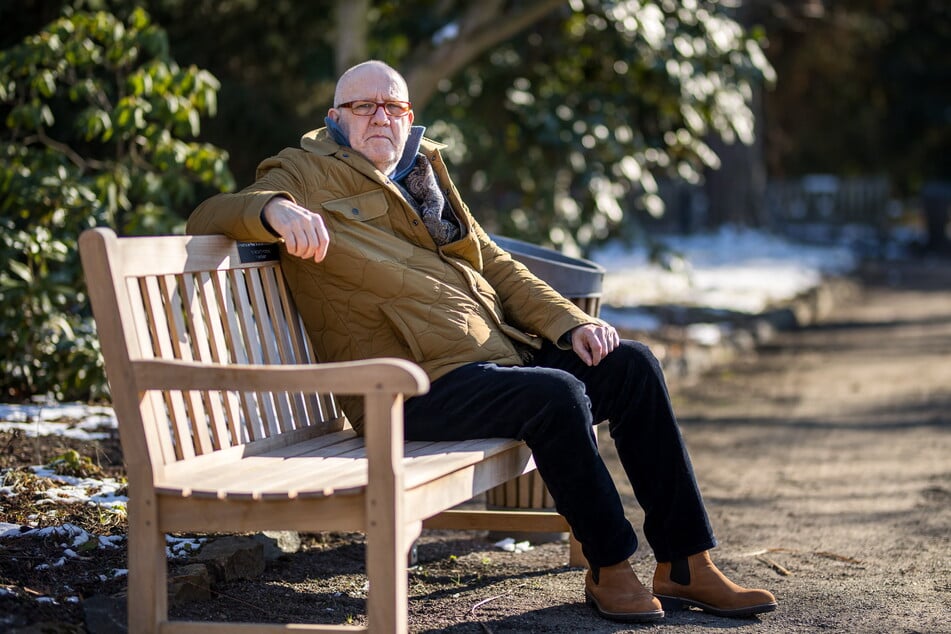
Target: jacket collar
<point>323,143</point>
<point>410,150</point>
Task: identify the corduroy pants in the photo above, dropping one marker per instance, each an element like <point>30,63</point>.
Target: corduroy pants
<point>553,405</point>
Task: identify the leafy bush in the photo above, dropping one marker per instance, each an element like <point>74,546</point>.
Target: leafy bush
<point>95,116</point>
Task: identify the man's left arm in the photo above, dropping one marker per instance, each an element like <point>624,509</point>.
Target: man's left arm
<point>534,306</point>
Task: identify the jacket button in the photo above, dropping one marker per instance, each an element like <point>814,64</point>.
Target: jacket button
<point>345,155</point>
<point>415,223</point>
<point>355,211</point>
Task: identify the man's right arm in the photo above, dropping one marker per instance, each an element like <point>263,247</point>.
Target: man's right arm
<point>303,232</point>
<point>264,212</point>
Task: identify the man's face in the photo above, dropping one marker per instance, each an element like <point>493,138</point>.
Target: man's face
<point>380,137</point>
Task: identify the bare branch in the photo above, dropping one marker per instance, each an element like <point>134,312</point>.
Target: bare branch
<point>65,150</point>
<point>484,25</point>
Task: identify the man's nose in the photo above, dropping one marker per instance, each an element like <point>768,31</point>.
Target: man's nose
<point>380,117</point>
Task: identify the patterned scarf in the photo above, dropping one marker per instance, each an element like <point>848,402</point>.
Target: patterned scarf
<point>429,202</point>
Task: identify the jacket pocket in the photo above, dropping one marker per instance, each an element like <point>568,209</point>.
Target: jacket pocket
<point>403,329</point>
<point>366,207</point>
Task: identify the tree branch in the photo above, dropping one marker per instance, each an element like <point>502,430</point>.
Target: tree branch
<point>484,25</point>
<point>65,150</point>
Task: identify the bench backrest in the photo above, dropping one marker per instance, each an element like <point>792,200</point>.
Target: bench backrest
<point>204,298</point>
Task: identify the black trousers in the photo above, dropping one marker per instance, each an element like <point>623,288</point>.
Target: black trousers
<point>552,405</point>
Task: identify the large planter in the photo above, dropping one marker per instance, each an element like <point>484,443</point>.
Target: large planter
<point>580,281</point>
<point>577,279</point>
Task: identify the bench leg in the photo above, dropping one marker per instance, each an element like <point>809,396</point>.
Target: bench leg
<point>575,556</point>
<point>148,573</point>
<point>388,595</point>
<point>388,537</point>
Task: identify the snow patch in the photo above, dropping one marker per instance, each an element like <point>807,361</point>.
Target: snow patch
<point>735,269</point>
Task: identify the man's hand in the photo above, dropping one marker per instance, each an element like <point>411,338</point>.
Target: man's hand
<point>304,233</point>
<point>593,342</point>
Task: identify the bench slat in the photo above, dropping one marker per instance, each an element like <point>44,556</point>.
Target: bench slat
<point>248,420</point>
<point>171,255</point>
<point>153,405</point>
<point>424,469</point>
<point>299,349</point>
<point>432,461</point>
<point>432,497</point>
<point>266,330</point>
<point>253,347</point>
<point>283,466</point>
<point>340,466</point>
<point>192,424</point>
<point>349,478</point>
<point>296,412</point>
<point>216,350</point>
<point>199,337</point>
<point>162,347</point>
<point>222,459</point>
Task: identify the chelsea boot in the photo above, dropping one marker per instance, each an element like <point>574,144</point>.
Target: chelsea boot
<point>617,594</point>
<point>695,581</point>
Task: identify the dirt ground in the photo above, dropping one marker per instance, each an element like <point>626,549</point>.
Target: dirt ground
<point>824,459</point>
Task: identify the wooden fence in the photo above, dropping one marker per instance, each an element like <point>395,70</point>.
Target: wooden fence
<point>799,207</point>
<point>823,198</point>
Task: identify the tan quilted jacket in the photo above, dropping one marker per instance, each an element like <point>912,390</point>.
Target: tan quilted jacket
<point>385,289</point>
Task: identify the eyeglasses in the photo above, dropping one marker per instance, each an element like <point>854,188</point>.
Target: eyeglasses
<point>369,108</point>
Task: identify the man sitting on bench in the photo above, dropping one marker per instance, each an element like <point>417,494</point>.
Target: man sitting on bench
<point>384,260</point>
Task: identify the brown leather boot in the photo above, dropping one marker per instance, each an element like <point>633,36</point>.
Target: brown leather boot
<point>696,581</point>
<point>619,595</point>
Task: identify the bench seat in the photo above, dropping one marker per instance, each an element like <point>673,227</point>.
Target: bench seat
<point>334,464</point>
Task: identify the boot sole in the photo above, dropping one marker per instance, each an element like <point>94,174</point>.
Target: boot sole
<point>624,617</point>
<point>680,603</point>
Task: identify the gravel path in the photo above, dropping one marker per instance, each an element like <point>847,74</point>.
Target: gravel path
<point>831,452</point>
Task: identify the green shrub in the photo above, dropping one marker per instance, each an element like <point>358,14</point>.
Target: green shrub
<point>95,117</point>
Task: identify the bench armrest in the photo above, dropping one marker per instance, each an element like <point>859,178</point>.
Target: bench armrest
<point>348,377</point>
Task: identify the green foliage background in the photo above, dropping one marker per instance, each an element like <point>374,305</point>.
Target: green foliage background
<point>95,115</point>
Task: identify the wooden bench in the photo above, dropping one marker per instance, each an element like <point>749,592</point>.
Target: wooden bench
<point>228,424</point>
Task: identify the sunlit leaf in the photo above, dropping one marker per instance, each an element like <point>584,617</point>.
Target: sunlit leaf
<point>21,270</point>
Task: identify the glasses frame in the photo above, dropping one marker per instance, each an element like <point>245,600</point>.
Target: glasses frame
<point>379,104</point>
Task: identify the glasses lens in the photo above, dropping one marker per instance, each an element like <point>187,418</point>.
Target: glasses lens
<point>363,108</point>
<point>396,108</point>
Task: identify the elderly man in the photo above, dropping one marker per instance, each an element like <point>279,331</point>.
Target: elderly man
<point>384,259</point>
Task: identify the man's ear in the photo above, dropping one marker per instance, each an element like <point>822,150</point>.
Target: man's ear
<point>334,115</point>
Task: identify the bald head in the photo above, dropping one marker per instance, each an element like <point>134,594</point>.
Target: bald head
<point>373,72</point>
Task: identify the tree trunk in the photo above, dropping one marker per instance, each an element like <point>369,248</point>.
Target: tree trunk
<point>350,45</point>
<point>736,193</point>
